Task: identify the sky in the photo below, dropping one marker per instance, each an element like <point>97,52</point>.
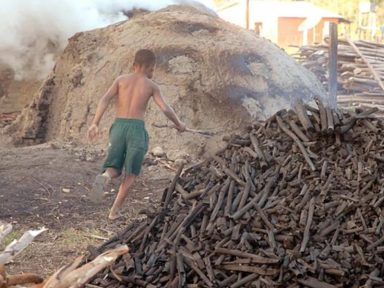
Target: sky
<point>34,31</point>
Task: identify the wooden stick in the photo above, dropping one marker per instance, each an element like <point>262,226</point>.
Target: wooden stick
<point>255,143</point>
<point>227,210</point>
<point>239,213</point>
<point>298,131</point>
<point>332,66</point>
<point>228,281</point>
<point>228,171</point>
<point>209,269</point>
<point>298,142</point>
<point>314,283</point>
<point>180,269</point>
<point>198,271</point>
<point>264,217</point>
<point>245,194</point>
<point>303,116</point>
<point>255,258</point>
<point>330,124</point>
<point>250,269</point>
<point>245,280</point>
<point>171,188</point>
<point>366,61</point>
<point>308,226</point>
<point>201,132</point>
<point>220,200</point>
<point>375,244</point>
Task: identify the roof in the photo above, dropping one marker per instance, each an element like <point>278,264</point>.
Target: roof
<point>297,9</point>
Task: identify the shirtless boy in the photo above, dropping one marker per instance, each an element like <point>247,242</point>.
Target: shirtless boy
<point>128,138</point>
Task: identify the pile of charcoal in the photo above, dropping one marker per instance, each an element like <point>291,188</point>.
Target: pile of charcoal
<point>295,201</point>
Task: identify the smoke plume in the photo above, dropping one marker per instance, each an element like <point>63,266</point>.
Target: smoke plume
<point>35,31</point>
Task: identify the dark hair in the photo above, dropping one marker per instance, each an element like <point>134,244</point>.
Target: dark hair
<point>144,57</point>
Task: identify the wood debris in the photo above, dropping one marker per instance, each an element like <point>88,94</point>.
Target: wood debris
<point>16,246</point>
<point>360,64</point>
<point>8,281</point>
<point>77,275</point>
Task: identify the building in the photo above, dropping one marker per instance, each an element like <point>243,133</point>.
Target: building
<point>285,23</point>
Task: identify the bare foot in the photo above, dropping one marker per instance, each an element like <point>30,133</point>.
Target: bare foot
<point>114,216</point>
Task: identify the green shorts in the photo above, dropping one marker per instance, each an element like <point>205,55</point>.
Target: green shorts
<point>128,144</point>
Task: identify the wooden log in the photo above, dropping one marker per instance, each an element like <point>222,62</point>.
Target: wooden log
<point>228,280</point>
<point>372,275</point>
<point>208,267</point>
<point>297,141</point>
<point>375,244</point>
<point>308,226</point>
<point>330,123</point>
<point>303,116</point>
<point>171,188</point>
<point>181,270</point>
<point>136,281</point>
<point>332,67</point>
<point>264,217</point>
<point>245,194</point>
<point>250,269</point>
<point>367,62</point>
<point>238,214</point>
<point>242,282</point>
<point>314,283</point>
<point>198,271</point>
<point>262,154</point>
<point>227,210</point>
<point>296,129</point>
<point>255,258</point>
<point>220,200</point>
<point>229,172</point>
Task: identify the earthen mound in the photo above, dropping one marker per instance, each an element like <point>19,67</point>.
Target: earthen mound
<point>216,75</point>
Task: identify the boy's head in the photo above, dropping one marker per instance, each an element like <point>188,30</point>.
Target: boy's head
<point>145,61</point>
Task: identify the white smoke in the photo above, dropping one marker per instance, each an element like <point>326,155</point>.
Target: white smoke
<point>33,32</point>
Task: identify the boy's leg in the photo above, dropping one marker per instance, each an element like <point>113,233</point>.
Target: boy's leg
<point>136,146</point>
<point>121,196</point>
<point>101,181</point>
<point>114,162</point>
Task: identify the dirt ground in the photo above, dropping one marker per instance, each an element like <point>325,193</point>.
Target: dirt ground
<point>47,185</point>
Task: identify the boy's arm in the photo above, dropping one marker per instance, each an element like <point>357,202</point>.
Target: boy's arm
<point>102,106</point>
<point>166,109</point>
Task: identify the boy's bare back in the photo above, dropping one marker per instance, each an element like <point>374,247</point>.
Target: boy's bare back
<point>134,92</point>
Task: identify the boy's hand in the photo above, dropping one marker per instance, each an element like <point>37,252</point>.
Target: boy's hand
<point>181,127</point>
<point>93,131</point>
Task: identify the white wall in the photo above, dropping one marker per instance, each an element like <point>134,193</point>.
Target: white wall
<point>258,12</point>
<point>234,14</point>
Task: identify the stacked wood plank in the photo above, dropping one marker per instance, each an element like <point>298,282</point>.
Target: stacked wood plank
<point>356,60</point>
<point>295,201</point>
<point>363,101</point>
